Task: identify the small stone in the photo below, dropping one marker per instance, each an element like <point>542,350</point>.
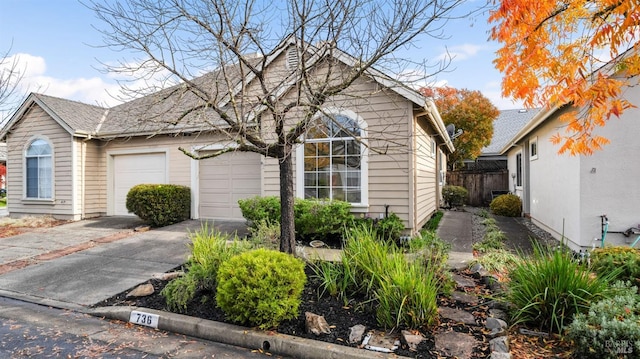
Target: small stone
<point>316,324</point>
<point>500,345</point>
<point>142,229</point>
<point>457,315</point>
<point>475,268</point>
<point>495,323</point>
<point>143,290</point>
<point>356,333</point>
<point>168,276</point>
<point>533,333</point>
<point>498,355</point>
<point>497,332</point>
<point>498,313</point>
<point>411,340</point>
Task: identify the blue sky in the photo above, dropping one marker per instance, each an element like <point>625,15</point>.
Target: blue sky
<point>60,55</point>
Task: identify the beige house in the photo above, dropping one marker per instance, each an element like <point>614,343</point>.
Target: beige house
<point>384,150</point>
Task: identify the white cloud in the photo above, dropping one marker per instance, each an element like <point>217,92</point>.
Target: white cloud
<point>460,52</point>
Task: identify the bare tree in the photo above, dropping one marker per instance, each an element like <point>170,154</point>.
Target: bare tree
<point>219,52</point>
<point>10,77</point>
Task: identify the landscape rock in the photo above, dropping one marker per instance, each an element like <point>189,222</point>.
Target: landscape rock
<point>381,342</point>
<point>495,323</point>
<point>497,355</point>
<point>533,333</point>
<point>457,315</point>
<point>142,290</point>
<point>463,282</point>
<point>316,324</point>
<point>498,314</point>
<point>497,332</point>
<point>455,345</point>
<point>464,298</point>
<point>356,333</point>
<point>411,340</point>
<point>142,229</point>
<point>500,345</point>
<point>168,276</point>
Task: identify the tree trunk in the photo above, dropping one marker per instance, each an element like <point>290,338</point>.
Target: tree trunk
<point>287,223</point>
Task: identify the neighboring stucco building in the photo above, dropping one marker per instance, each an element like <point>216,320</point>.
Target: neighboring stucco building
<point>75,161</point>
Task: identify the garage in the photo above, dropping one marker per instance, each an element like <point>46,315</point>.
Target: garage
<point>225,179</point>
<point>133,169</point>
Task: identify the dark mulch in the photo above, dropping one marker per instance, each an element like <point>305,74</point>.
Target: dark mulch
<point>339,316</point>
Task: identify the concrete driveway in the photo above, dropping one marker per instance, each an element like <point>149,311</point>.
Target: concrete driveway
<point>79,264</point>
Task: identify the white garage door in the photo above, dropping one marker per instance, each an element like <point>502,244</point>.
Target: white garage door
<point>130,170</point>
<point>226,179</point>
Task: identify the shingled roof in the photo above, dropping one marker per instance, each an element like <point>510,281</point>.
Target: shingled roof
<point>505,127</point>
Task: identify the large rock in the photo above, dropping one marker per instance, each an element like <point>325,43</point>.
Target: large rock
<point>316,324</point>
<point>457,315</point>
<point>455,345</point>
<point>500,345</point>
<point>463,282</point>
<point>464,298</point>
<point>143,290</point>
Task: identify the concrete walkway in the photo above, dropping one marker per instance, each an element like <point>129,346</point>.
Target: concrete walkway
<point>456,228</point>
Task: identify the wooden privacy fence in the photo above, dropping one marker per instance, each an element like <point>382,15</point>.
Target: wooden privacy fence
<point>479,184</point>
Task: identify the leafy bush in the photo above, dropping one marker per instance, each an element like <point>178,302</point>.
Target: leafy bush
<point>455,195</point>
<point>160,204</point>
<point>497,260</point>
<point>209,249</point>
<point>610,329</point>
<point>261,287</point>
<point>315,218</point>
<point>549,288</point>
<point>623,260</point>
<point>257,209</point>
<point>265,234</point>
<point>390,228</point>
<point>508,205</point>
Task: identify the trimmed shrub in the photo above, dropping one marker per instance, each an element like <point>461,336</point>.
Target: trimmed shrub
<point>261,287</point>
<point>209,249</point>
<point>611,328</point>
<point>625,261</point>
<point>320,219</point>
<point>256,209</point>
<point>508,205</point>
<point>549,288</point>
<point>160,204</point>
<point>390,228</point>
<point>455,195</point>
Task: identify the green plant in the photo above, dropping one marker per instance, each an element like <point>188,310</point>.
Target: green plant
<point>623,260</point>
<point>483,213</point>
<point>611,328</point>
<point>318,219</point>
<point>549,288</point>
<point>265,234</point>
<point>261,287</point>
<point>497,260</point>
<point>433,222</point>
<point>493,239</point>
<point>390,228</point>
<point>209,249</point>
<point>160,204</point>
<point>455,195</point>
<point>257,209</point>
<point>508,205</point>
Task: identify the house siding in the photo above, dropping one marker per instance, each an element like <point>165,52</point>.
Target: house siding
<point>427,188</point>
<point>38,122</point>
<point>93,190</point>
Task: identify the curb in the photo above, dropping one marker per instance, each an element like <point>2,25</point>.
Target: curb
<point>272,342</point>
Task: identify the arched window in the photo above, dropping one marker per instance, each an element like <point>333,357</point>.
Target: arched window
<point>333,160</point>
<point>39,179</point>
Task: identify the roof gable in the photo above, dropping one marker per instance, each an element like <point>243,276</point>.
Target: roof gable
<point>506,126</point>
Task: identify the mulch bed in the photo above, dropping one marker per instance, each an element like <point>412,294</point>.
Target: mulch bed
<point>339,316</point>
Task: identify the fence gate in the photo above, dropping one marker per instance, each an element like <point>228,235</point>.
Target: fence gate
<point>479,184</point>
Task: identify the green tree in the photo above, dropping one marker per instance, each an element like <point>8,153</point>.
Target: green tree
<point>470,112</point>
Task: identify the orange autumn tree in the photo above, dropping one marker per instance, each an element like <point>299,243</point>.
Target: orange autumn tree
<point>467,110</point>
<point>580,52</point>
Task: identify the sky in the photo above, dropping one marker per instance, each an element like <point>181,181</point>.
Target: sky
<point>60,52</point>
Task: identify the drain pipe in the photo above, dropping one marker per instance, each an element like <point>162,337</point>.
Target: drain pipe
<point>386,210</point>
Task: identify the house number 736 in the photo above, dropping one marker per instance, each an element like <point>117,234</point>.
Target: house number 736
<point>146,319</point>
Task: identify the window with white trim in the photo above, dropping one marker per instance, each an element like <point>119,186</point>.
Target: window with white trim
<point>519,169</point>
<point>533,148</point>
<point>39,170</point>
<point>332,160</point>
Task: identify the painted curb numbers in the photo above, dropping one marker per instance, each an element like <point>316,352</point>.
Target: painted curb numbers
<point>146,319</point>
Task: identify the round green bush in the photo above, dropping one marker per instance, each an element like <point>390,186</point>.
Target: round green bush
<point>508,205</point>
<point>454,196</point>
<point>261,287</point>
<point>624,262</point>
<point>160,204</point>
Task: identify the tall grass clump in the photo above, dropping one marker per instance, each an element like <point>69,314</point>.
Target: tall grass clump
<point>402,291</point>
<point>549,288</point>
<point>209,249</point>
